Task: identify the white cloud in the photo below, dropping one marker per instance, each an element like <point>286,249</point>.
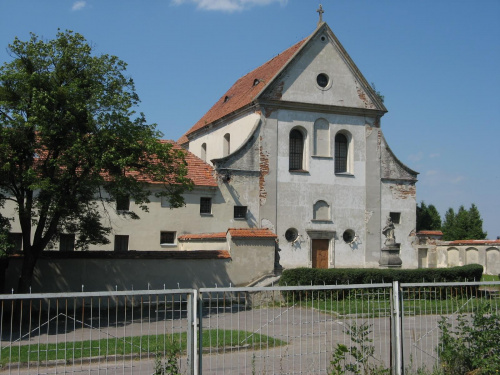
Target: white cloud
<point>435,155</point>
<point>228,5</point>
<point>78,5</point>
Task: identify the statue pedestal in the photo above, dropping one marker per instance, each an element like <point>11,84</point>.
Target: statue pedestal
<point>389,256</point>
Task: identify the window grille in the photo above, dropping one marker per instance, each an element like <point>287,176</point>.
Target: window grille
<point>123,203</point>
<point>167,238</point>
<point>17,240</point>
<point>121,243</point>
<point>340,153</point>
<point>240,212</point>
<point>67,242</point>
<point>296,150</point>
<point>205,205</point>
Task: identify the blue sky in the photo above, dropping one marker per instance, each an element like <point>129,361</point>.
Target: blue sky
<point>436,63</point>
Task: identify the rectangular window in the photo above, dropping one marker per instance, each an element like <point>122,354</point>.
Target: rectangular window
<point>167,238</point>
<point>395,217</point>
<point>121,243</point>
<point>165,202</point>
<point>123,203</point>
<point>17,240</point>
<point>205,205</point>
<point>240,212</point>
<point>67,242</point>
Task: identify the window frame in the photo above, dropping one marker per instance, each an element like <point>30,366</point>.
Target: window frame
<point>64,240</point>
<point>118,243</point>
<point>170,233</point>
<point>296,150</point>
<point>123,203</point>
<point>203,206</point>
<point>226,149</point>
<point>239,215</point>
<point>395,215</point>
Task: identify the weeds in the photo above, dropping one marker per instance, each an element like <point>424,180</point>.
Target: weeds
<point>358,358</point>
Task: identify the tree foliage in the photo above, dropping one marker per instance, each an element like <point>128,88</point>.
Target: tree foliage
<point>463,225</point>
<point>71,143</point>
<point>428,217</point>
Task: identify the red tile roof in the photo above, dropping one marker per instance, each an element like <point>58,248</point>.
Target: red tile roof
<point>203,236</point>
<point>251,233</point>
<point>430,233</point>
<point>201,173</point>
<point>475,242</point>
<point>244,91</point>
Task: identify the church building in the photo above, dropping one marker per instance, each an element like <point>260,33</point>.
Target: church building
<point>297,147</point>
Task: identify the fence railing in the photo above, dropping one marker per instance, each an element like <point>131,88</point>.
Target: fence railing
<point>105,332</point>
<point>272,330</point>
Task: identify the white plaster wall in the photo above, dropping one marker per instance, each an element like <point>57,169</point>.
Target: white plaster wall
<point>452,256</point>
<point>297,192</point>
<point>144,234</point>
<point>239,129</point>
<point>323,57</point>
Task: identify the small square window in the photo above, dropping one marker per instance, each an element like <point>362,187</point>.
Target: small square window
<point>240,212</point>
<point>165,202</point>
<point>123,203</point>
<point>67,242</point>
<point>16,239</point>
<point>121,243</point>
<point>167,238</point>
<point>395,217</point>
<point>205,205</point>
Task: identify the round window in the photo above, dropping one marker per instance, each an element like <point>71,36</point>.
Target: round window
<point>322,79</point>
<point>291,234</point>
<point>348,235</point>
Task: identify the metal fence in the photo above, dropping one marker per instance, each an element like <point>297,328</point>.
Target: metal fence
<point>274,330</point>
<point>96,333</point>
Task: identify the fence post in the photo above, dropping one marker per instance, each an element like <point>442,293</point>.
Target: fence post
<point>191,332</point>
<point>200,333</point>
<point>396,349</point>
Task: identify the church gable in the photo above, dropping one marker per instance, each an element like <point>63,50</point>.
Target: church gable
<point>322,73</point>
<point>391,167</point>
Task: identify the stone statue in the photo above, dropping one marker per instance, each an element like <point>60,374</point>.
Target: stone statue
<point>388,232</point>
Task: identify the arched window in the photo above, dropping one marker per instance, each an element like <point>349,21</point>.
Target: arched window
<point>204,152</point>
<point>341,150</point>
<point>321,211</point>
<point>296,155</point>
<point>227,144</point>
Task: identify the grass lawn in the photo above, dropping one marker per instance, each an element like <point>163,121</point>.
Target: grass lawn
<point>490,278</point>
<point>73,351</point>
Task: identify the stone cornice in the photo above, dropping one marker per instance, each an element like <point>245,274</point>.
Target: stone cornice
<point>321,108</point>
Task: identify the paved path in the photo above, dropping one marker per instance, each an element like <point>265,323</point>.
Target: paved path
<point>310,335</point>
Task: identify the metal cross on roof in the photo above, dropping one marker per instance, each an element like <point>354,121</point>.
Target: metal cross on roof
<point>320,11</point>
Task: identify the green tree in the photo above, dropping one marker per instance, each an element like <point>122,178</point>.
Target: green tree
<point>428,217</point>
<point>464,225</point>
<point>71,143</point>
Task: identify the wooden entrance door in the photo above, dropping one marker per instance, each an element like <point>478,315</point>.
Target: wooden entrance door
<point>320,253</point>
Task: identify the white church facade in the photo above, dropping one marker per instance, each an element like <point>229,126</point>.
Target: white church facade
<point>298,142</point>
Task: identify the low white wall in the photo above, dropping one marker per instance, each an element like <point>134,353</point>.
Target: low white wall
<point>138,270</point>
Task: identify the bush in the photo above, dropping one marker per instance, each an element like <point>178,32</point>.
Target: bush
<point>344,276</point>
<point>351,276</point>
<point>472,347</point>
